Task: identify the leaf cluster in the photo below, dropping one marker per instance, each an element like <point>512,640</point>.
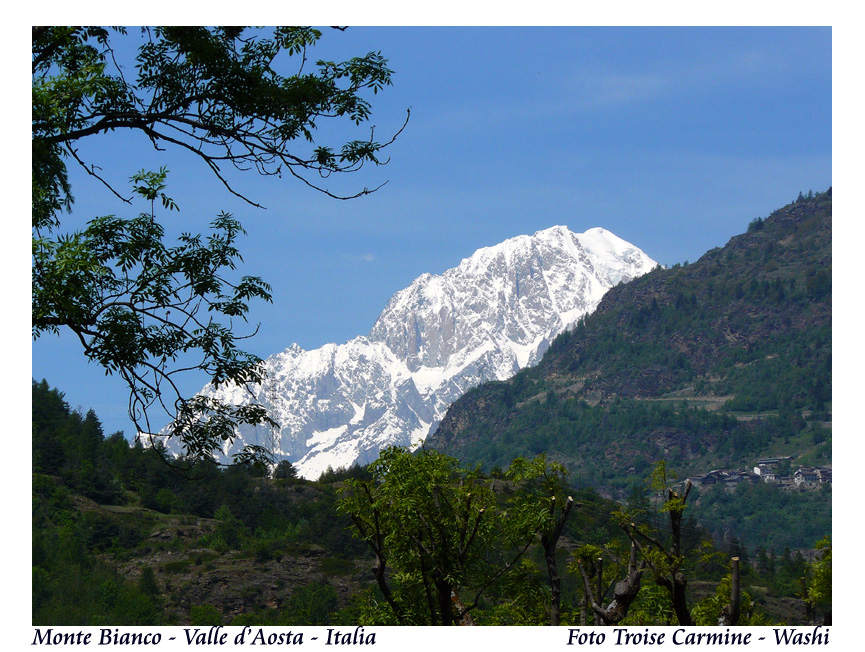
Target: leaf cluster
<point>148,311</point>
<point>217,92</point>
<point>819,590</point>
<point>234,97</point>
<point>444,531</point>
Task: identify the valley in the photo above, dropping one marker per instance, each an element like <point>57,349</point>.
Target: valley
<point>700,372</point>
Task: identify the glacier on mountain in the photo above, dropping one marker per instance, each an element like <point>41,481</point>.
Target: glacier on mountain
<point>487,318</point>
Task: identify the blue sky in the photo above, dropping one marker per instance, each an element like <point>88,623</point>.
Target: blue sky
<point>672,138</point>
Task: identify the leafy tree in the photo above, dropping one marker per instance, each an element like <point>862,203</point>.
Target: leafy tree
<point>710,610</point>
<point>285,470</point>
<point>142,309</point>
<point>437,532</point>
<point>819,580</point>
<point>216,92</point>
<point>313,604</point>
<point>147,581</point>
<point>665,560</point>
<point>204,615</point>
<point>137,306</point>
<point>229,532</point>
<point>653,607</point>
<point>526,597</point>
<point>545,482</point>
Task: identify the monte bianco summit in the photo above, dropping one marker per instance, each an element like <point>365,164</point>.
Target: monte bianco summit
<point>486,319</point>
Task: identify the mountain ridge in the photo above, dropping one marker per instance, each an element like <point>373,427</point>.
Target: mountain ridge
<point>484,319</point>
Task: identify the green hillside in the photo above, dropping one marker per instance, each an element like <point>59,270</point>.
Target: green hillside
<point>708,365</point>
<point>120,538</point>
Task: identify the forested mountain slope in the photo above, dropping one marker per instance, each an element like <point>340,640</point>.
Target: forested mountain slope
<point>709,365</point>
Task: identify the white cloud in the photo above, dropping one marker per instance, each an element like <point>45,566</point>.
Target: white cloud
<point>359,258</point>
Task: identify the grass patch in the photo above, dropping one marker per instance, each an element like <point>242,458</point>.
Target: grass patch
<point>176,567</point>
<point>333,566</point>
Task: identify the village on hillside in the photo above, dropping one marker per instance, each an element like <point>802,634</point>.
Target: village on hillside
<point>773,470</point>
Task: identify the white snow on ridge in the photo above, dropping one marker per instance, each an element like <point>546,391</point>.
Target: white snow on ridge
<point>323,440</point>
<point>493,314</point>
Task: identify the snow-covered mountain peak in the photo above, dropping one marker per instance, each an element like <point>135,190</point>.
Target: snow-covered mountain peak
<point>491,315</point>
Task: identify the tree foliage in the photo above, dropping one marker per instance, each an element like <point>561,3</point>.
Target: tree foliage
<point>818,592</point>
<point>545,483</point>
<point>440,533</point>
<point>215,92</point>
<point>142,308</point>
<point>138,306</point>
<point>709,610</point>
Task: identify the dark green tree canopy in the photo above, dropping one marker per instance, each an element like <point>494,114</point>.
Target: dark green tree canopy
<point>143,308</point>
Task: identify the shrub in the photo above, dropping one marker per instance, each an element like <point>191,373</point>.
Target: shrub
<point>204,615</point>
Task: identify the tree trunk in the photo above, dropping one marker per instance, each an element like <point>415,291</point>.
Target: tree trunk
<point>445,604</point>
<point>462,615</point>
<point>624,592</point>
<point>549,541</point>
<point>680,604</point>
<point>600,621</point>
<point>730,613</point>
<point>555,586</point>
<point>679,581</point>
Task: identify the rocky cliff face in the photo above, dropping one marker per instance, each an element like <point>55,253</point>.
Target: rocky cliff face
<point>487,318</point>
